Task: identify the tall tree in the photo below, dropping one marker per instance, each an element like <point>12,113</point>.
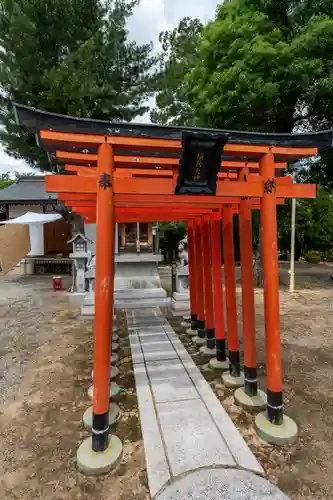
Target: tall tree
<point>314,224</point>
<point>262,65</point>
<point>266,65</point>
<point>179,53</point>
<point>70,57</point>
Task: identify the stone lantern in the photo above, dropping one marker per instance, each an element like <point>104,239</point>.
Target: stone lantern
<point>80,257</point>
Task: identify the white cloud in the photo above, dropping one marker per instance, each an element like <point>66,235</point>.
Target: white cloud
<point>9,164</point>
<point>149,19</point>
<point>175,10</point>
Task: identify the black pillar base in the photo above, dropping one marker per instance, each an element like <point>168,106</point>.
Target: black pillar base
<point>275,407</point>
<point>220,350</point>
<point>251,381</point>
<point>194,321</point>
<point>210,335</point>
<point>201,329</point>
<point>234,364</point>
<point>100,432</point>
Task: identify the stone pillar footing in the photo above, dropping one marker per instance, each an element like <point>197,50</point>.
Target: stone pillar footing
<point>286,433</point>
<point>219,365</point>
<point>191,333</point>
<point>114,391</point>
<point>233,382</point>
<point>199,341</point>
<point>208,352</point>
<point>258,402</point>
<point>114,414</point>
<point>92,463</point>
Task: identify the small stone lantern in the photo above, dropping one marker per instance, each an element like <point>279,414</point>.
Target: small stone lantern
<point>80,257</point>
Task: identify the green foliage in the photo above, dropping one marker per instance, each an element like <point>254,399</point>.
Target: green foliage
<point>262,65</point>
<point>5,180</point>
<point>170,235</point>
<point>328,255</point>
<point>314,224</point>
<point>179,53</point>
<point>70,57</point>
<point>312,256</point>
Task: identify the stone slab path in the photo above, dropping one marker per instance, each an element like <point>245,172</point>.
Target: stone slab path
<point>185,429</point>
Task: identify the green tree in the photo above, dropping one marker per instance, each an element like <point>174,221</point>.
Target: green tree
<point>170,235</point>
<point>5,180</point>
<point>314,224</point>
<point>265,65</point>
<point>261,65</point>
<point>70,57</point>
<point>179,53</point>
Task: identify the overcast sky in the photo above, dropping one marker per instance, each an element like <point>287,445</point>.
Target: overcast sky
<point>149,19</point>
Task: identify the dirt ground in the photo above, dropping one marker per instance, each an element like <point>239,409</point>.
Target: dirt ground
<point>45,372</point>
<point>305,469</point>
<point>45,366</point>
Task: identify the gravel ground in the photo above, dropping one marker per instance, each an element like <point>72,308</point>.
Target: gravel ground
<point>305,469</point>
<point>45,363</point>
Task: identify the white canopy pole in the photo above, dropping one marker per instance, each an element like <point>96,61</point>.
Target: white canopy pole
<point>292,247</point>
<point>36,229</point>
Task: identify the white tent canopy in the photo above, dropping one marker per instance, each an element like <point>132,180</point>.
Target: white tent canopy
<point>36,230</point>
<point>33,218</point>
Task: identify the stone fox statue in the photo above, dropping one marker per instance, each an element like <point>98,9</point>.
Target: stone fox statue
<point>182,254</point>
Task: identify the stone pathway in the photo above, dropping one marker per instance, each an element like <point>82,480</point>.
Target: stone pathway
<point>189,438</point>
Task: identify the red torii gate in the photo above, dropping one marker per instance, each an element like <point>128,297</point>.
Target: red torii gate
<point>124,172</point>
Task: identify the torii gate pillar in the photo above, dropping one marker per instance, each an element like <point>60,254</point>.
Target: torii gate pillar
<point>102,451</point>
<point>273,426</point>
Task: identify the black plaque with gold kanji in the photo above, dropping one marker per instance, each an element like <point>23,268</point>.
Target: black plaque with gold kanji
<point>200,162</point>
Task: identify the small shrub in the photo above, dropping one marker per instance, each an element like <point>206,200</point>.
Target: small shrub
<point>313,257</point>
<point>328,255</point>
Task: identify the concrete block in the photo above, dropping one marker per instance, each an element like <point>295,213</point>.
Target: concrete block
<point>204,350</point>
<point>233,382</point>
<point>157,467</point>
<point>142,303</point>
<point>92,463</point>
<point>137,354</point>
<point>180,349</point>
<point>170,381</point>
<point>152,330</point>
<point>219,365</point>
<point>191,333</point>
<point>286,433</point>
<point>198,341</point>
<point>168,329</point>
<point>221,485</point>
<point>114,414</point>
<point>258,402</point>
<point>154,339</point>
<point>235,442</point>
<point>187,425</point>
<point>157,351</point>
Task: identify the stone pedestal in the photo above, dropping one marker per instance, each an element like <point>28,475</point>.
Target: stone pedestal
<point>80,260</point>
<point>136,285</point>
<point>180,304</point>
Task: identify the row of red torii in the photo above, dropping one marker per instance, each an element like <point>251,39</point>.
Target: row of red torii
<point>125,173</point>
